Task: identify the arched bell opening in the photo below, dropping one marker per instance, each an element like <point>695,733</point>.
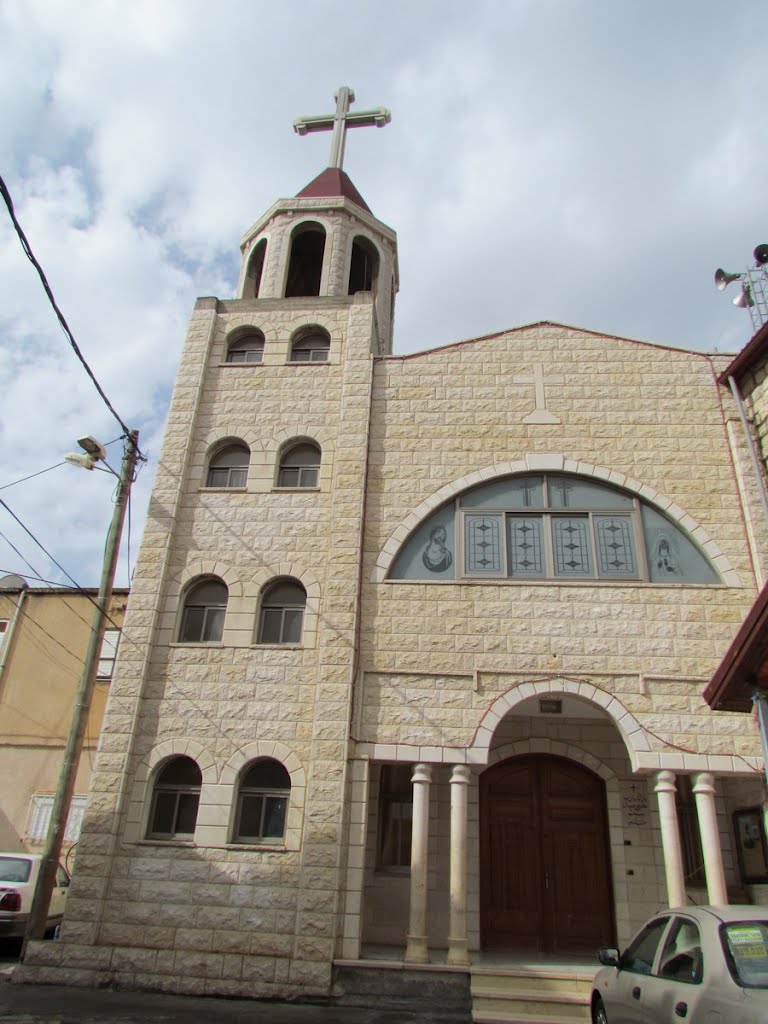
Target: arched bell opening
<point>363,266</point>
<point>305,267</point>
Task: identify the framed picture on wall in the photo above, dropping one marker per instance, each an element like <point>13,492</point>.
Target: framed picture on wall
<point>750,843</point>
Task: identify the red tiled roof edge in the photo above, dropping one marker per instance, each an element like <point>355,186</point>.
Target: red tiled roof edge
<point>755,347</point>
<point>730,688</point>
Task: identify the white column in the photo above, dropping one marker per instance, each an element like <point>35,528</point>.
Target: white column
<point>416,950</point>
<point>670,839</point>
<point>704,791</point>
<point>458,945</point>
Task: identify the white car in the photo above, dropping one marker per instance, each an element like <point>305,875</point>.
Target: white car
<point>706,965</point>
<point>18,876</point>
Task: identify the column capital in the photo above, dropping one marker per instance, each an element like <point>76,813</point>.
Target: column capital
<point>422,773</point>
<point>665,782</point>
<point>461,774</point>
<point>704,782</point>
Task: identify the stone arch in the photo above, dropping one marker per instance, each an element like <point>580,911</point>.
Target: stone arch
<point>289,570</point>
<point>146,772</point>
<point>200,567</point>
<point>232,433</point>
<point>274,447</point>
<point>557,463</point>
<point>300,321</point>
<point>234,325</point>
<point>219,803</point>
<point>628,726</point>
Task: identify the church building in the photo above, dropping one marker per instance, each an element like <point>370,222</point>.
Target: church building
<point>411,684</point>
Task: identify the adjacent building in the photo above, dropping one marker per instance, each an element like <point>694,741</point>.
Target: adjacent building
<point>43,638</point>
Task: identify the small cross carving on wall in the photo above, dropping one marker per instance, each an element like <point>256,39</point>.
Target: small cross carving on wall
<point>540,412</point>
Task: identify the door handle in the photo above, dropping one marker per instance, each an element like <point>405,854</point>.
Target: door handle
<point>681,1009</point>
<point>636,992</point>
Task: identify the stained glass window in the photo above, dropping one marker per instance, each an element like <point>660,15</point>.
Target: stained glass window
<point>551,526</point>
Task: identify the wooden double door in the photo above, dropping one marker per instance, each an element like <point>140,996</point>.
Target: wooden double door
<point>545,881</point>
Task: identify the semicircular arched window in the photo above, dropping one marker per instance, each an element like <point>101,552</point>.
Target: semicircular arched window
<point>175,799</point>
<point>246,348</point>
<point>262,803</point>
<point>551,527</point>
<point>282,613</point>
<point>229,467</point>
<point>310,345</point>
<point>202,620</point>
<point>299,466</point>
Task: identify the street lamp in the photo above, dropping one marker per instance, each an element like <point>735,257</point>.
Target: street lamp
<point>94,456</point>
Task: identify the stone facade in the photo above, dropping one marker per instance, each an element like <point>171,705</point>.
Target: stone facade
<point>444,674</point>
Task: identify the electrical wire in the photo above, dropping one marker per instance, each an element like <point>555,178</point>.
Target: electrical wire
<point>32,476</point>
<point>59,315</point>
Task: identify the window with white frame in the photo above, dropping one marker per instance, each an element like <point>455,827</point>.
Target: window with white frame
<point>299,466</point>
<point>3,631</point>
<point>205,606</point>
<point>108,654</point>
<point>175,800</point>
<point>262,803</point>
<point>40,809</point>
<point>228,467</point>
<point>282,613</point>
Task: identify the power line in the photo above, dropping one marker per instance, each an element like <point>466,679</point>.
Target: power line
<point>31,476</point>
<point>39,544</point>
<point>60,316</point>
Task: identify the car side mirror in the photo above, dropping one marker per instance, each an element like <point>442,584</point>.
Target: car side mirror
<point>608,957</point>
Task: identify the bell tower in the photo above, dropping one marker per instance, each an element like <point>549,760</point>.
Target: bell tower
<point>244,618</point>
<point>326,242</point>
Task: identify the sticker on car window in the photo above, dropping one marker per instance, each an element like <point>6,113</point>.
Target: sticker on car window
<point>747,943</point>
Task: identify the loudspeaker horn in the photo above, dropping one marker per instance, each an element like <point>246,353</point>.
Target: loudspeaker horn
<point>744,298</point>
<point>761,254</point>
<point>723,278</point>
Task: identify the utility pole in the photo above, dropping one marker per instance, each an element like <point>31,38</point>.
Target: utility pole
<point>46,878</point>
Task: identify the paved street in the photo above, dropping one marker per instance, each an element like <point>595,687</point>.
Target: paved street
<point>42,1004</point>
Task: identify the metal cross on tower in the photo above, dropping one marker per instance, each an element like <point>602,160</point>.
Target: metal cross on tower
<point>340,121</point>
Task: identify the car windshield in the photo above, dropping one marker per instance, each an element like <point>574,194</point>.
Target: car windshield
<point>746,951</point>
<point>15,869</point>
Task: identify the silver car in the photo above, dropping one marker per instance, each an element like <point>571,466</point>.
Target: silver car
<point>707,965</point>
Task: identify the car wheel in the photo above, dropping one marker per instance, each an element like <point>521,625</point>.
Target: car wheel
<point>598,1012</point>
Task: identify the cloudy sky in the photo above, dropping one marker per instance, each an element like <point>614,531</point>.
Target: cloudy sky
<point>585,161</point>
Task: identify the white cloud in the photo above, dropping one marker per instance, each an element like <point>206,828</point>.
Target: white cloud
<point>586,162</point>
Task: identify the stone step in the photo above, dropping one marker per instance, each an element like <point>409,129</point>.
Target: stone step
<point>531,996</point>
<point>536,1009</point>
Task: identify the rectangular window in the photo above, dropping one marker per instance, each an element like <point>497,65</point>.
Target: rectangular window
<point>543,545</point>
<point>3,631</point>
<point>484,545</point>
<point>40,817</point>
<point>108,654</point>
<point>395,816</point>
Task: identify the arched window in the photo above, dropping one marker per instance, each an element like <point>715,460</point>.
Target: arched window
<point>262,803</point>
<point>176,795</point>
<point>246,348</point>
<point>202,620</point>
<point>310,345</point>
<point>282,613</point>
<point>551,526</point>
<point>255,270</point>
<point>363,266</point>
<point>299,466</point>
<point>305,267</point>
<point>229,467</point>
